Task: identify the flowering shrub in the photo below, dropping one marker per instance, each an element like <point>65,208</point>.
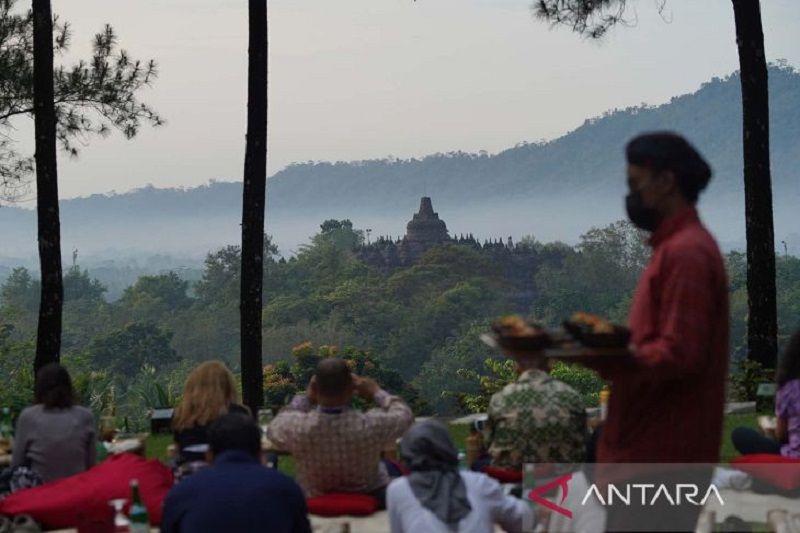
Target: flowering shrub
<point>284,379</point>
<point>501,373</point>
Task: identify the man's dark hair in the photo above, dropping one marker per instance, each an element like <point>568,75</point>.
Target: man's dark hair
<point>235,431</point>
<point>53,387</point>
<point>667,151</point>
<point>789,364</point>
<point>333,377</point>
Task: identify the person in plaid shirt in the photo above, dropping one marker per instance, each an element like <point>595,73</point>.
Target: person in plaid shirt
<point>337,448</point>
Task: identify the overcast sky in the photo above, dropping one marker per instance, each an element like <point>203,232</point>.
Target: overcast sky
<point>356,79</point>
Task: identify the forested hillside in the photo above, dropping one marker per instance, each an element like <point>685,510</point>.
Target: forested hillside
<point>553,189</point>
<point>585,161</point>
<point>415,327</point>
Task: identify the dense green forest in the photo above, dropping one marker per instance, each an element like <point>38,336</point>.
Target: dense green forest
<point>415,328</point>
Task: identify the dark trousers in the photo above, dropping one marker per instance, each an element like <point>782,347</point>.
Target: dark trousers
<point>748,440</point>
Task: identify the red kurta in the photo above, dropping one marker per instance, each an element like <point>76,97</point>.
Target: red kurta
<point>668,406</point>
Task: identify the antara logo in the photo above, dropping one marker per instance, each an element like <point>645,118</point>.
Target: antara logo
<point>681,493</point>
<point>645,493</point>
<point>537,494</point>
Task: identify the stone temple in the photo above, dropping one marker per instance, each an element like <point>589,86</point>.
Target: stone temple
<point>426,230</point>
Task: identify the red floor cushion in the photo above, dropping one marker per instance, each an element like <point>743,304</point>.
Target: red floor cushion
<point>83,498</point>
<point>508,475</point>
<point>503,475</point>
<point>777,470</point>
<point>342,503</point>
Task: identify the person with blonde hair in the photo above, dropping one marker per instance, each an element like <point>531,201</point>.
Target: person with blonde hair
<point>209,392</point>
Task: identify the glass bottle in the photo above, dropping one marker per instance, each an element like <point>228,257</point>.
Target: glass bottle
<point>137,514</point>
<point>6,431</point>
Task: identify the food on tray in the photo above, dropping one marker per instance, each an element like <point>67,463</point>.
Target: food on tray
<point>596,323</point>
<point>516,326</point>
<point>515,333</point>
<point>592,330</point>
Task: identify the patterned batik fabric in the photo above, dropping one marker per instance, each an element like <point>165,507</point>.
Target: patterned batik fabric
<point>339,450</point>
<point>536,419</point>
<point>787,405</point>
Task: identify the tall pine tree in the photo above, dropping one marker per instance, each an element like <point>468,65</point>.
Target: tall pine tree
<point>762,323</point>
<point>253,203</point>
<point>48,340</point>
<point>593,18</point>
<point>92,97</point>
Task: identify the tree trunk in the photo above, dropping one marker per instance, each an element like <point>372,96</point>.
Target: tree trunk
<point>762,325</point>
<point>254,192</point>
<point>48,340</point>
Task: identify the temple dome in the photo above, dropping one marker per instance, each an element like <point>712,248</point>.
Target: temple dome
<point>426,227</point>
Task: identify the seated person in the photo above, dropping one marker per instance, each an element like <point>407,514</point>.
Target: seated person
<point>210,392</point>
<point>55,438</point>
<point>337,448</point>
<point>437,497</point>
<point>535,419</point>
<point>235,493</point>
<point>787,411</point>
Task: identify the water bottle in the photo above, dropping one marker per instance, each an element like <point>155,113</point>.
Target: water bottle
<point>605,394</point>
<point>462,459</point>
<point>528,479</point>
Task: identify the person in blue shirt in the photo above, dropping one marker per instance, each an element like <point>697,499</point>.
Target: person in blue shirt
<point>235,493</point>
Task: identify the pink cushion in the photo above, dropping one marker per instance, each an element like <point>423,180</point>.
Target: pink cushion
<point>342,503</point>
<point>777,470</point>
<point>83,498</point>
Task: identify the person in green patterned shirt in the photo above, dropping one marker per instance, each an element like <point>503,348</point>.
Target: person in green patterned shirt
<point>535,419</point>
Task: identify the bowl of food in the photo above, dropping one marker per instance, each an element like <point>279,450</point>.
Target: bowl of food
<point>597,332</point>
<point>517,334</point>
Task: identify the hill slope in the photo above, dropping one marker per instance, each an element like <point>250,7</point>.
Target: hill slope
<point>586,160</point>
<point>555,190</point>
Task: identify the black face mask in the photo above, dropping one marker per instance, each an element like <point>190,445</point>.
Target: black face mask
<point>641,216</point>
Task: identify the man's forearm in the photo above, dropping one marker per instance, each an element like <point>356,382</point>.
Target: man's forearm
<point>382,398</point>
<point>300,402</point>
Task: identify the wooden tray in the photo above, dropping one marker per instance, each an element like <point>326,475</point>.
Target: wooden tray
<point>577,351</point>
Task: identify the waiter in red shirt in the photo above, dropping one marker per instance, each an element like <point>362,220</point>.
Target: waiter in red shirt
<point>667,401</point>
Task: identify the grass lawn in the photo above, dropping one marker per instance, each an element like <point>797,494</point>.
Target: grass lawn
<point>156,446</point>
<point>728,452</point>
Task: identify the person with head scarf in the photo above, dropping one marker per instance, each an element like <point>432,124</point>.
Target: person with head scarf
<point>438,497</point>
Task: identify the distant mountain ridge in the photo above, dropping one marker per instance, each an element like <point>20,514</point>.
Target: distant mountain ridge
<point>556,189</point>
<point>587,159</point>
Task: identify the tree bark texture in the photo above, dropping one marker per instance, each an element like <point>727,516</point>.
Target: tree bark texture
<point>253,204</point>
<point>762,324</point>
<point>48,339</point>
